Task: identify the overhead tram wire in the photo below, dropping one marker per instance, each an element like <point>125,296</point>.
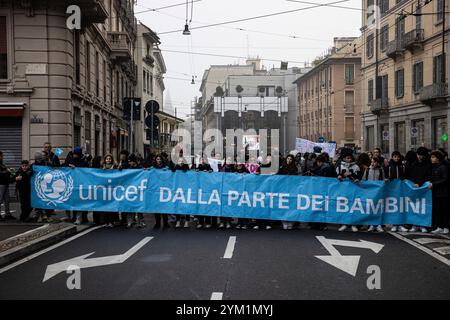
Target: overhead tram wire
<point>256,17</point>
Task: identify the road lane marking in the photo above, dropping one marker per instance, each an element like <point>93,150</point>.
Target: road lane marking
<point>230,248</point>
<point>431,240</point>
<point>217,296</point>
<point>37,254</point>
<point>443,250</point>
<point>422,248</point>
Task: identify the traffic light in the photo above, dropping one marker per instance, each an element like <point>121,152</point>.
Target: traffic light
<point>131,104</point>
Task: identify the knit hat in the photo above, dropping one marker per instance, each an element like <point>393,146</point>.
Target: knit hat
<point>78,151</point>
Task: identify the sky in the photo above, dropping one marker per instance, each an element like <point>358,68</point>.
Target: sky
<point>296,37</point>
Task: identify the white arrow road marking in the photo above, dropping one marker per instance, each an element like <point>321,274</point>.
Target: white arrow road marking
<point>82,262</point>
<point>348,264</point>
<point>443,250</point>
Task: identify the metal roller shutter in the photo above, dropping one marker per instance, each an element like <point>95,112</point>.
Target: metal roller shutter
<point>11,144</point>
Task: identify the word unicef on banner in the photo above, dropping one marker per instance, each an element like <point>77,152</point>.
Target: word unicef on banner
<point>289,198</point>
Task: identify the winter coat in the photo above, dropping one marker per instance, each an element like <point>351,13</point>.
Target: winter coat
<point>324,171</point>
<point>24,186</point>
<point>344,167</point>
<point>439,179</point>
<point>374,174</point>
<point>419,172</point>
<point>204,167</point>
<point>288,170</point>
<point>396,170</point>
<point>77,162</point>
<point>5,175</point>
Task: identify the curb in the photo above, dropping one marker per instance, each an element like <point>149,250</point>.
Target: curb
<point>28,248</point>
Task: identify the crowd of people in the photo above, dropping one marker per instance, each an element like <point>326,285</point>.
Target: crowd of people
<point>420,166</point>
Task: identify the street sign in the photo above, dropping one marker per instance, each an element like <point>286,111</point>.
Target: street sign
<point>321,140</point>
<point>148,121</point>
<point>128,104</point>
<point>414,132</point>
<point>152,106</point>
<point>385,135</point>
<point>82,261</point>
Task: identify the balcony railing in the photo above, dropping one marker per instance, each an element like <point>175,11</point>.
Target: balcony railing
<point>349,108</point>
<point>120,45</point>
<point>413,39</point>
<point>433,94</point>
<point>379,106</point>
<point>246,104</point>
<point>395,49</point>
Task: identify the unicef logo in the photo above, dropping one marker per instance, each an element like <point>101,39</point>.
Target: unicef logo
<point>53,187</point>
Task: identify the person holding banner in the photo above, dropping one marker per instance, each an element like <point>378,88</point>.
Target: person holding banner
<point>77,161</point>
<point>289,168</point>
<point>138,217</point>
<point>375,173</point>
<point>204,166</point>
<point>184,167</point>
<point>347,169</point>
<point>160,165</point>
<point>110,217</point>
<point>439,185</point>
<point>419,172</point>
<point>243,223</point>
<point>228,167</point>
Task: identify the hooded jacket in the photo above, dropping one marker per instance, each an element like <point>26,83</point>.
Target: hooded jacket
<point>439,179</point>
<point>396,170</point>
<point>5,175</point>
<point>419,172</point>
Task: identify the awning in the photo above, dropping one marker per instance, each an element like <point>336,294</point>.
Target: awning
<point>11,109</point>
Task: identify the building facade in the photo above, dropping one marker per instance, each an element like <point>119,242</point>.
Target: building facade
<point>404,76</point>
<point>65,86</point>
<point>329,96</point>
<point>252,98</point>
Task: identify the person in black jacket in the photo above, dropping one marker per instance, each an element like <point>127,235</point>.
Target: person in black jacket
<point>419,172</point>
<point>206,221</point>
<point>243,223</point>
<point>23,187</point>
<point>77,161</point>
<point>184,167</point>
<point>439,185</point>
<point>288,168</point>
<point>6,177</point>
<point>160,165</point>
<point>52,159</point>
<point>396,168</point>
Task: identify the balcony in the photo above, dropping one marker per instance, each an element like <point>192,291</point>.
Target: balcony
<point>349,108</point>
<point>93,11</point>
<point>379,106</point>
<point>395,49</point>
<point>434,94</point>
<point>120,45</point>
<point>245,104</point>
<point>413,39</point>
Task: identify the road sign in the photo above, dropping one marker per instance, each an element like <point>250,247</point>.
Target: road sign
<point>152,106</point>
<point>321,140</point>
<point>148,121</point>
<point>348,264</point>
<point>414,132</point>
<point>385,135</point>
<point>81,261</point>
<point>128,104</point>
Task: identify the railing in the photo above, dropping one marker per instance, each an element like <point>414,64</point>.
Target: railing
<point>413,38</point>
<point>378,106</point>
<point>394,48</point>
<point>119,43</point>
<point>433,92</point>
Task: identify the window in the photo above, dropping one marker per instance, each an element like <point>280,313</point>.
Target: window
<point>440,133</point>
<point>382,87</point>
<point>384,6</point>
<point>437,69</point>
<point>399,28</point>
<point>104,80</point>
<point>370,4</point>
<point>145,81</point>
<point>369,46</point>
<point>349,98</point>
<point>384,37</point>
<point>400,137</point>
<point>399,83</point>
<point>418,18</point>
<point>349,74</point>
<point>349,128</point>
<point>370,90</point>
<point>370,138</point>
<point>88,66</point>
<point>97,74</point>
<point>151,85</point>
<point>417,133</point>
<point>76,55</point>
<point>3,49</point>
<point>417,76</point>
<point>87,131</point>
<point>440,11</point>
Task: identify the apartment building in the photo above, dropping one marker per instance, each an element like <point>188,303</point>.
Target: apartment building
<point>329,96</point>
<point>404,75</point>
<point>65,86</point>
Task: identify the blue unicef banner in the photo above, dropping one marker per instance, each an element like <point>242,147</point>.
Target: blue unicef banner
<point>290,198</point>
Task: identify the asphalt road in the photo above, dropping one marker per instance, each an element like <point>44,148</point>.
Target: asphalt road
<point>190,264</point>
